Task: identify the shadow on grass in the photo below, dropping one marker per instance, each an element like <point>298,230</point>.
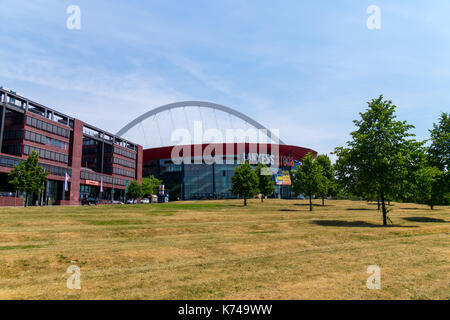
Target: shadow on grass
<point>425,219</point>
<point>314,205</point>
<point>341,223</point>
<point>358,209</point>
<point>288,210</point>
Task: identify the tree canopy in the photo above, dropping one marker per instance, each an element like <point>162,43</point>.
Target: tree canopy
<point>28,176</point>
<point>265,183</point>
<point>381,155</point>
<point>439,158</point>
<point>329,187</point>
<point>150,186</point>
<point>309,179</point>
<point>244,182</point>
<point>134,190</point>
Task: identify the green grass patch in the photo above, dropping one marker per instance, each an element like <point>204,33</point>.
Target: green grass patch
<point>118,222</point>
<point>20,247</point>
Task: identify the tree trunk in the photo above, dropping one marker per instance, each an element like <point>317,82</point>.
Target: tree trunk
<point>262,198</point>
<point>431,206</point>
<point>323,201</point>
<point>245,201</point>
<point>378,203</point>
<point>383,206</point>
<point>310,202</point>
<point>26,199</point>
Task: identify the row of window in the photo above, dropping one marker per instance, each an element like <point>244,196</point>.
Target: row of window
<point>125,153</point>
<point>123,172</point>
<point>125,163</point>
<point>106,179</point>
<point>39,138</point>
<point>46,154</point>
<point>58,171</point>
<point>15,149</point>
<point>12,135</point>
<point>89,142</point>
<point>8,162</point>
<point>42,125</point>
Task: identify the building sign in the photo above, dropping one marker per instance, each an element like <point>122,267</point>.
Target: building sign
<point>286,161</point>
<point>92,183</point>
<point>267,159</point>
<point>283,179</point>
<point>254,158</point>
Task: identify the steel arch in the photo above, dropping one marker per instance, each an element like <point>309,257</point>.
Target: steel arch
<point>203,104</point>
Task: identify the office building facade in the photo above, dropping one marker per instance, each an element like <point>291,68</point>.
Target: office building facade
<point>82,160</point>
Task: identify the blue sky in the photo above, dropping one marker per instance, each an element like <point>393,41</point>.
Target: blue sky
<point>305,67</point>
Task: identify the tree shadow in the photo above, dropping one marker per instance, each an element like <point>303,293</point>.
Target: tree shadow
<point>314,205</point>
<point>288,210</point>
<point>363,224</point>
<point>425,219</point>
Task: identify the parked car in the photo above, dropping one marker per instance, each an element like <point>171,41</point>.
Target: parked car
<point>88,200</point>
<point>145,200</point>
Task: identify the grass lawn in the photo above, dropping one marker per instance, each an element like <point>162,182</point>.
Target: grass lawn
<point>222,250</point>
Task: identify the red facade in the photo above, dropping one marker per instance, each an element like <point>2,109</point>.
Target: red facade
<point>63,146</point>
<point>286,152</point>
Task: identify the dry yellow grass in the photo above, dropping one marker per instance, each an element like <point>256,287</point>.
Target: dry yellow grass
<point>222,250</point>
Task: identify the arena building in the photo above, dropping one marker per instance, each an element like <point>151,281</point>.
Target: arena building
<point>204,170</point>
<point>82,160</point>
<point>209,177</point>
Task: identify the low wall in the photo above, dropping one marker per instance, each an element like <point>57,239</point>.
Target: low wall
<point>11,202</point>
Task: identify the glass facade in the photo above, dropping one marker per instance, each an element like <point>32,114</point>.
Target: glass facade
<point>200,181</point>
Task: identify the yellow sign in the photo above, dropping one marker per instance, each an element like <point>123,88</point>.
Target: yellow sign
<point>283,179</point>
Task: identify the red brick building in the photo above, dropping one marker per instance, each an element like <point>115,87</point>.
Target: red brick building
<point>100,164</point>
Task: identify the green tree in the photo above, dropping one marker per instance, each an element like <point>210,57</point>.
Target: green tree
<point>439,157</point>
<point>425,180</point>
<point>244,182</point>
<point>308,179</point>
<point>150,186</point>
<point>28,176</point>
<point>265,183</point>
<point>328,187</point>
<point>380,157</point>
<point>134,190</point>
